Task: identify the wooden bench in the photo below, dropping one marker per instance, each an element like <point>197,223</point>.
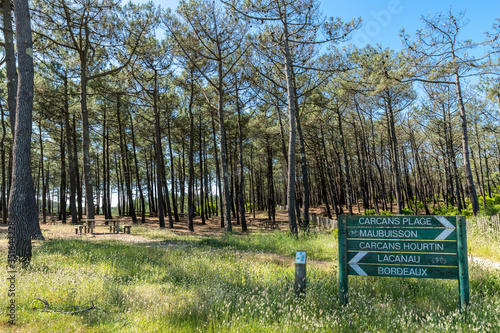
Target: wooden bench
<point>270,225</point>
<point>78,228</point>
<point>126,229</point>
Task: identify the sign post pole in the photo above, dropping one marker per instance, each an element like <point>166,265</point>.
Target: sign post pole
<point>463,267</point>
<point>343,277</point>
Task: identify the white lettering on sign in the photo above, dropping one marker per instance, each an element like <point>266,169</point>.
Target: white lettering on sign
<point>379,246</point>
<point>402,271</point>
<point>379,221</point>
<point>423,246</point>
<point>418,221</point>
<point>383,233</point>
<point>398,258</point>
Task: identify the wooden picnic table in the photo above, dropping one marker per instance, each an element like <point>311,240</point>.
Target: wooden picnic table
<point>89,225</point>
<point>114,226</point>
<point>268,224</point>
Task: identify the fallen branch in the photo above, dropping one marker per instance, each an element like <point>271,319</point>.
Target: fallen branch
<point>48,309</point>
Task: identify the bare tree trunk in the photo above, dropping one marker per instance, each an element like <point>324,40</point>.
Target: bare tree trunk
<point>108,185</point>
<point>3,194</point>
<point>168,208</point>
<point>202,199</point>
<point>174,200</point>
<point>481,185</point>
<point>291,145</point>
<point>22,203</point>
<point>77,172</point>
<point>305,178</point>
<point>10,62</point>
<point>158,155</point>
<point>104,172</point>
<point>394,146</point>
<point>217,175</point>
<point>125,167</point>
<point>346,164</point>
<point>89,193</point>
<point>465,149</point>
<point>149,185</point>
<point>182,168</point>
<point>137,176</point>
<point>44,181</point>
<point>191,159</point>
<point>62,200</point>
<point>71,160</point>
<point>242,179</point>
<point>223,158</point>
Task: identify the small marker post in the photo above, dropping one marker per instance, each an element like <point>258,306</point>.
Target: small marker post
<point>300,273</point>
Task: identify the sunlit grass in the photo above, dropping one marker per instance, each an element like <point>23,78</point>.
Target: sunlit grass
<point>483,243</point>
<point>236,283</point>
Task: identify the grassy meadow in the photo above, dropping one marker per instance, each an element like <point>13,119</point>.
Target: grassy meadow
<point>237,283</point>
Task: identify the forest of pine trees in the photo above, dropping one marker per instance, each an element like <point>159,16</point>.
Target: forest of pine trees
<point>221,108</point>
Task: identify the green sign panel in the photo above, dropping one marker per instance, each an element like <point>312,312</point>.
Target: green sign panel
<point>402,233</point>
<point>425,221</point>
<point>403,246</point>
<point>402,258</point>
<point>404,271</point>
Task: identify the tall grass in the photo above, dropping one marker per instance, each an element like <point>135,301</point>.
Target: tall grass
<point>483,237</point>
<point>229,284</point>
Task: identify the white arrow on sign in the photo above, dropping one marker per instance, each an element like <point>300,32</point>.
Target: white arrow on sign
<point>355,260</point>
<point>446,224</point>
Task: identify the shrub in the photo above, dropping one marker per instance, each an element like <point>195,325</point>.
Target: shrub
<point>250,206</point>
<point>407,211</point>
<point>490,210</point>
<point>496,199</point>
<point>369,212</point>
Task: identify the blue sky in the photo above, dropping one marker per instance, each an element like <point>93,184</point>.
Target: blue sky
<point>383,19</point>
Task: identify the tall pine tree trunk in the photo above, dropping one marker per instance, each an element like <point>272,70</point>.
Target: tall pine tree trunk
<point>174,200</point>
<point>62,200</point>
<point>217,175</point>
<point>223,157</point>
<point>242,179</point>
<point>87,177</point>
<point>71,158</point>
<point>3,190</point>
<point>124,153</point>
<point>159,192</point>
<point>291,145</point>
<point>22,204</point>
<point>191,158</point>
<point>465,148</point>
<point>137,175</point>
<point>10,62</point>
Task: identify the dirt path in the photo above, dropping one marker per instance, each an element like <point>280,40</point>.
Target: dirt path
<point>487,263</point>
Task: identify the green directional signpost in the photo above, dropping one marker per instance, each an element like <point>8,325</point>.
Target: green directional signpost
<point>432,247</point>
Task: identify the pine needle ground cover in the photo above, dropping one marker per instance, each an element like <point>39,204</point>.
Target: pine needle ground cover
<point>235,283</point>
